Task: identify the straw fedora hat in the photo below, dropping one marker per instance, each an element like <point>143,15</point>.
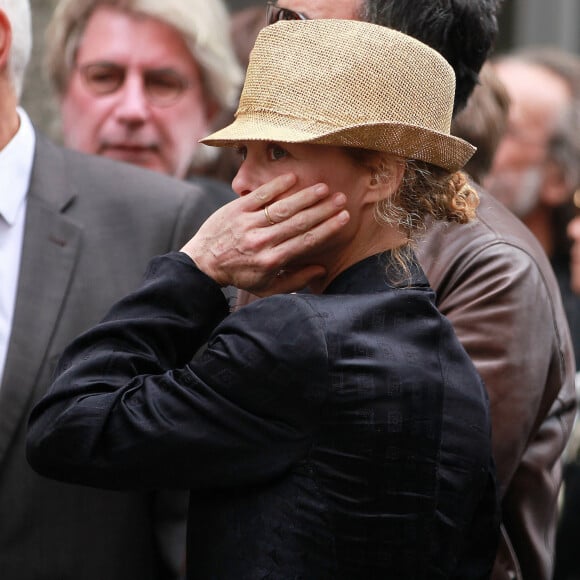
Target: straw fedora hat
<point>348,83</point>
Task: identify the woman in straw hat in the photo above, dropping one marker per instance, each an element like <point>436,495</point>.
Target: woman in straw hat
<point>339,433</point>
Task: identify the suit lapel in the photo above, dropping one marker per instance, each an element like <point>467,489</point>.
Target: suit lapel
<point>49,254</point>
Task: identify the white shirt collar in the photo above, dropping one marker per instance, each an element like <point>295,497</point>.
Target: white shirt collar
<point>16,167</point>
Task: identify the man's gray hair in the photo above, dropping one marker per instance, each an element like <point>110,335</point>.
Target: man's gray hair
<point>18,13</point>
<point>564,140</point>
<point>204,25</point>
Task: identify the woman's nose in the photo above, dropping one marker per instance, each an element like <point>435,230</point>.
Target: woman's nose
<point>244,181</point>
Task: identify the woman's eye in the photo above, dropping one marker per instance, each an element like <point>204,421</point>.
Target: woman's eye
<point>242,151</point>
<point>275,152</point>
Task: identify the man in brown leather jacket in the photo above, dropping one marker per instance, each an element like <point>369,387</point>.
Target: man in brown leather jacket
<point>496,286</point>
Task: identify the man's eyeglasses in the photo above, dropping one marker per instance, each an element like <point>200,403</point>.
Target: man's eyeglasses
<point>163,87</point>
<point>274,13</point>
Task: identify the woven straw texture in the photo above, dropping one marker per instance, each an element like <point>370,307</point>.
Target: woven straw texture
<point>347,83</point>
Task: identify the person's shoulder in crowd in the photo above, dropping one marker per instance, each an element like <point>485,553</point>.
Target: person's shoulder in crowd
<point>127,190</point>
<point>218,191</point>
<point>127,179</point>
<point>495,282</point>
<point>495,225</point>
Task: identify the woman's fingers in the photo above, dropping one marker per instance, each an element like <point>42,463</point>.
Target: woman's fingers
<point>268,192</point>
<point>279,210</point>
<point>276,278</point>
<point>294,216</point>
<point>247,242</point>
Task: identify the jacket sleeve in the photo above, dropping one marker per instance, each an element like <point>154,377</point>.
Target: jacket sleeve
<point>501,308</point>
<point>129,410</point>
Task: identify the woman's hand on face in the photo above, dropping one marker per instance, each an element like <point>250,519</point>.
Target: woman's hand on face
<point>247,242</point>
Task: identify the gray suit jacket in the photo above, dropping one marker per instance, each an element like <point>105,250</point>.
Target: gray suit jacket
<point>91,227</point>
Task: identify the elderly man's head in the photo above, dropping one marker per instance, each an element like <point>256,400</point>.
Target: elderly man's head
<point>140,81</point>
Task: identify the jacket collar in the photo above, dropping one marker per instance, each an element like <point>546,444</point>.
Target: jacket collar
<point>376,274</point>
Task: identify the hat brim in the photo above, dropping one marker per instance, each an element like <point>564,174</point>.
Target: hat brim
<point>408,141</point>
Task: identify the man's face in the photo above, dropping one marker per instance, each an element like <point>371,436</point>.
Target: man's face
<point>521,172</point>
<point>144,104</point>
<point>315,9</point>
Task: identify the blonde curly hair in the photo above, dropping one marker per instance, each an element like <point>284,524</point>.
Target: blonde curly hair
<point>426,192</point>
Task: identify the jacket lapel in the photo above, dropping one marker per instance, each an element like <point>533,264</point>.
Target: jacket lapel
<point>49,254</point>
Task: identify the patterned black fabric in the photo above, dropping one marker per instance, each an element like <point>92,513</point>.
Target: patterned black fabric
<point>338,436</point>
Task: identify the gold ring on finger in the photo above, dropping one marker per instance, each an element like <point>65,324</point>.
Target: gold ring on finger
<point>267,214</point>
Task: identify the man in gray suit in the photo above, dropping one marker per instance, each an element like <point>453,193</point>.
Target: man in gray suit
<point>143,81</point>
<point>76,233</point>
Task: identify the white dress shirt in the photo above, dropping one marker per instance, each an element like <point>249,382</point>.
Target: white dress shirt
<point>15,169</point>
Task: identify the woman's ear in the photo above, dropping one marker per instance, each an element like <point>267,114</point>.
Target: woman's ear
<point>384,177</point>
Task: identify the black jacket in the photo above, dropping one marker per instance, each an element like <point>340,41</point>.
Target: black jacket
<point>338,436</point>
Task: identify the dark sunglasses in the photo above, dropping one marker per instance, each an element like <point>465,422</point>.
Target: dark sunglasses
<point>274,13</point>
